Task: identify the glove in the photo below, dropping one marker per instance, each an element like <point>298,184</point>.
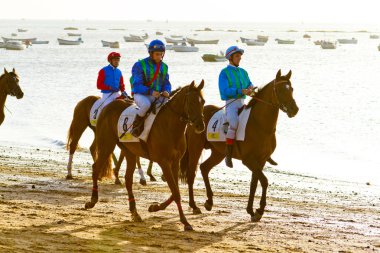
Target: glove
<point>123,95</point>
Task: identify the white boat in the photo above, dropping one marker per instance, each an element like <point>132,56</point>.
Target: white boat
<point>115,44</point>
<point>318,42</point>
<point>176,36</point>
<point>208,42</point>
<point>288,42</point>
<point>74,34</point>
<point>22,40</point>
<point>328,45</point>
<point>21,30</point>
<point>145,36</point>
<point>167,47</point>
<point>174,41</point>
<point>254,43</point>
<point>262,38</point>
<point>348,41</point>
<point>133,39</point>
<point>244,40</point>
<point>64,42</point>
<point>70,28</point>
<point>185,48</point>
<point>14,34</point>
<point>91,29</point>
<point>14,45</point>
<point>106,43</point>
<point>374,36</point>
<point>38,42</point>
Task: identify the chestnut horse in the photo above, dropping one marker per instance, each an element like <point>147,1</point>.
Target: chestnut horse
<point>254,151</point>
<point>165,146</point>
<point>81,120</point>
<point>9,85</point>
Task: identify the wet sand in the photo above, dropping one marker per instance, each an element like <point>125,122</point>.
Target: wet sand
<point>43,212</point>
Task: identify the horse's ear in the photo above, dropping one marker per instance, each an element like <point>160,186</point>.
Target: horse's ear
<point>278,74</point>
<point>5,71</point>
<point>201,85</point>
<point>289,75</point>
<point>192,85</point>
<point>14,71</point>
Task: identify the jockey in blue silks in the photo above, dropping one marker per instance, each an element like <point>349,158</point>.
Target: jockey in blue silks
<point>150,83</point>
<point>234,85</point>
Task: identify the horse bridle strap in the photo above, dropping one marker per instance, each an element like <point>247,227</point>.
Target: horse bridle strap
<point>183,118</point>
<point>278,105</point>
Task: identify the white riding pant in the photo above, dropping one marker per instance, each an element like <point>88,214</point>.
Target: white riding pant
<point>108,98</point>
<point>232,108</point>
<point>144,102</point>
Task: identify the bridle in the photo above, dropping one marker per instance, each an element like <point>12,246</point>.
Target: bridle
<point>12,91</point>
<point>184,117</point>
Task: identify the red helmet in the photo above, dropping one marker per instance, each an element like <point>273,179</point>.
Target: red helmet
<point>113,55</point>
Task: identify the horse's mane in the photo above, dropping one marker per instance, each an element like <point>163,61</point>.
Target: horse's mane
<point>252,101</point>
<point>175,91</point>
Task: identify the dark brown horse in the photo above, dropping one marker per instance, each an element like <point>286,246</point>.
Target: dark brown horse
<point>254,151</point>
<point>165,146</point>
<point>9,85</point>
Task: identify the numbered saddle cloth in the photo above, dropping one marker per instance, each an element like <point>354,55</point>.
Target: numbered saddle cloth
<point>96,108</point>
<point>216,126</point>
<point>124,125</point>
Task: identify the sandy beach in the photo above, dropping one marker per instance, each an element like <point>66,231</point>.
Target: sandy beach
<point>43,212</point>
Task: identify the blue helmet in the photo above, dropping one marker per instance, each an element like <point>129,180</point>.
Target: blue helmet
<point>231,50</point>
<point>156,46</point>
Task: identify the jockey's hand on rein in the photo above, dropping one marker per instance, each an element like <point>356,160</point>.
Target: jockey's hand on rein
<point>165,94</point>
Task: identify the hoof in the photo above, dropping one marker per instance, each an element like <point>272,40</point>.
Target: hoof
<point>152,179</point>
<point>89,205</point>
<point>163,178</point>
<point>188,228</point>
<point>256,217</point>
<point>143,182</point>
<point>154,208</point>
<point>136,218</point>
<point>69,177</point>
<point>208,206</point>
<point>197,211</point>
<point>117,181</point>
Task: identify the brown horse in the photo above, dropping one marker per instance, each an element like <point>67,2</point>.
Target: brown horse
<point>9,85</point>
<point>254,151</point>
<point>80,122</point>
<point>165,146</point>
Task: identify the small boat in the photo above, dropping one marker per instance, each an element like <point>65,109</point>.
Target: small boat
<point>159,33</point>
<point>2,44</point>
<point>133,39</point>
<point>206,42</point>
<point>106,43</point>
<point>91,29</point>
<point>214,57</point>
<point>22,40</point>
<point>306,36</point>
<point>262,38</point>
<point>254,43</point>
<point>244,40</point>
<point>286,42</point>
<point>38,42</point>
<point>185,48</point>
<point>167,47</point>
<point>116,29</point>
<point>328,45</point>
<point>70,28</point>
<point>145,36</point>
<point>174,41</point>
<point>115,44</point>
<point>318,42</point>
<point>74,34</point>
<point>14,34</point>
<point>176,36</point>
<point>14,45</point>
<point>348,41</point>
<point>374,36</point>
<point>64,42</point>
<point>22,30</point>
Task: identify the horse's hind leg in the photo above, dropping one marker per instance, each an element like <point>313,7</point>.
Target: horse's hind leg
<point>141,172</point>
<point>214,159</point>
<point>131,165</point>
<point>264,185</point>
<point>75,132</point>
<point>193,163</point>
<point>149,172</point>
<point>117,168</point>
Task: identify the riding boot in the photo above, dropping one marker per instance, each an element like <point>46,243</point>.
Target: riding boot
<point>138,126</point>
<point>228,158</point>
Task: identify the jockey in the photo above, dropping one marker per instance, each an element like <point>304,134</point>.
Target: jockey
<point>150,82</point>
<point>234,85</point>
<point>110,80</point>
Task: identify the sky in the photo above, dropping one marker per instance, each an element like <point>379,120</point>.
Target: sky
<point>307,11</point>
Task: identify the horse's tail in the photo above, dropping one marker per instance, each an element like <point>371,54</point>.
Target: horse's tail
<point>70,135</point>
<point>184,166</point>
<point>105,169</point>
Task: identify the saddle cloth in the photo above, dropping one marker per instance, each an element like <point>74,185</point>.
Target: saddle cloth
<point>124,125</point>
<point>216,130</point>
<point>96,108</point>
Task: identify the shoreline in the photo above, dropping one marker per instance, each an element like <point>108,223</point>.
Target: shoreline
<point>45,213</point>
